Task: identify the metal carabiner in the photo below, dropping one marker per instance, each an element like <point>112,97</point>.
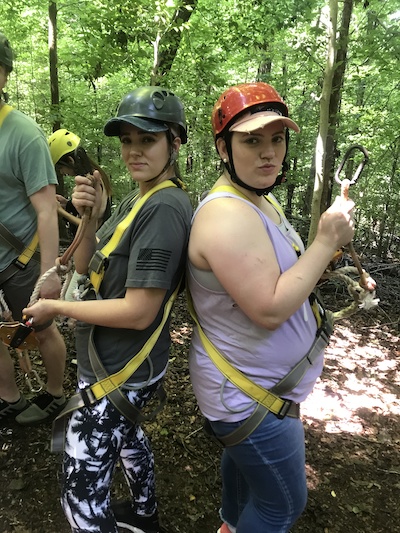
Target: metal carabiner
<point>38,380</point>
<point>344,191</point>
<point>360,167</point>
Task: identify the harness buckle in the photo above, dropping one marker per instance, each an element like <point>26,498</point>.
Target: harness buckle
<point>19,264</point>
<point>87,396</point>
<point>284,409</point>
<point>98,262</point>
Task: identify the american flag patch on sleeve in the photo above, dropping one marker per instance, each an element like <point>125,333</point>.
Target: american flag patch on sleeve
<point>153,259</point>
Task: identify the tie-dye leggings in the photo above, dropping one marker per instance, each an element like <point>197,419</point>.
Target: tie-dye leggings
<point>97,439</point>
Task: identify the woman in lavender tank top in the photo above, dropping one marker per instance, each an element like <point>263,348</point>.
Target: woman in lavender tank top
<point>250,281</point>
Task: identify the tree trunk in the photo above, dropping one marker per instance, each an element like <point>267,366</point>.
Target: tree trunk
<point>55,96</point>
<point>320,149</point>
<point>169,42</point>
<point>334,106</point>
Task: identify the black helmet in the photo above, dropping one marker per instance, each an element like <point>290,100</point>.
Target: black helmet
<point>151,109</point>
<point>6,53</point>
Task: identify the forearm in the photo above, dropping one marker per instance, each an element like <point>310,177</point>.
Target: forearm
<point>47,227</point>
<point>86,248</point>
<point>296,284</point>
<point>108,313</point>
<point>137,310</point>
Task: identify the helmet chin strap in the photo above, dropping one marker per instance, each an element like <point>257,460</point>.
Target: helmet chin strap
<point>169,163</point>
<point>230,167</point>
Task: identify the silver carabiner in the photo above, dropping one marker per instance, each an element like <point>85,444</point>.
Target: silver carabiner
<point>360,167</point>
<point>38,380</point>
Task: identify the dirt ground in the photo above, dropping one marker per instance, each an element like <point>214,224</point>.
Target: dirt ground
<point>352,423</point>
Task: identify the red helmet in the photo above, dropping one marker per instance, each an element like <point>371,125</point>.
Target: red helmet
<point>240,97</point>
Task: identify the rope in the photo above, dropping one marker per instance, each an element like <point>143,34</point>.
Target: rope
<point>362,298</point>
<point>64,263</point>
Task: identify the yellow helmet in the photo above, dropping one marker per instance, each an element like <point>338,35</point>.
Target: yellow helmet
<point>62,142</point>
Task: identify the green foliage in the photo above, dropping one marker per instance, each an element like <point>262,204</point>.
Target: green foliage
<point>198,48</point>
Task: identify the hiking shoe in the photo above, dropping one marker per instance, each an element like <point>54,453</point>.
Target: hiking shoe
<point>44,408</point>
<point>128,520</point>
<point>10,410</point>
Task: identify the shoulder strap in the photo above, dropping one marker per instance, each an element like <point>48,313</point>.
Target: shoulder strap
<point>97,264</point>
<point>232,190</point>
<point>4,111</point>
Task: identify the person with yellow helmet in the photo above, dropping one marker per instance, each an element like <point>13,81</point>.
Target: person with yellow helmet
<point>63,146</point>
<point>28,210</point>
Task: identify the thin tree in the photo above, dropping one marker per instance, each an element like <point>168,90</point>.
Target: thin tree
<point>320,148</point>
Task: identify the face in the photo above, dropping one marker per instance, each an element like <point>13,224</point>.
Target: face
<point>258,156</point>
<point>144,154</point>
<point>64,169</point>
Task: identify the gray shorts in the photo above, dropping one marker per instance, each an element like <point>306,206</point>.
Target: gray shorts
<point>19,288</point>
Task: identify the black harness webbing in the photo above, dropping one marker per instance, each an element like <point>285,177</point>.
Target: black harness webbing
<point>26,253</point>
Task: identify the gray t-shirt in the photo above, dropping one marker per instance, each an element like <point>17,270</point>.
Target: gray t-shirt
<point>151,253</point>
<point>25,168</point>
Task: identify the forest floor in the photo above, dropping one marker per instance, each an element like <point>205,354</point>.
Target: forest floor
<point>352,425</point>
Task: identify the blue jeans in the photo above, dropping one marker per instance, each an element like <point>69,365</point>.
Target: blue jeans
<point>263,478</point>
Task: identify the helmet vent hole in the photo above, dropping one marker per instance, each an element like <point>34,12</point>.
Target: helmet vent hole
<point>158,100</point>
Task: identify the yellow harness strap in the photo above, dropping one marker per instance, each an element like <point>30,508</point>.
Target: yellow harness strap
<point>272,201</point>
<point>263,396</point>
<point>229,188</point>
<point>27,254</point>
<point>110,383</point>
<point>97,275</point>
<point>4,111</point>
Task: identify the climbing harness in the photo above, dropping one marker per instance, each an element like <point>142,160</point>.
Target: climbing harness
<point>110,385</point>
<point>98,263</point>
<point>21,335</point>
<point>271,400</point>
<point>362,297</point>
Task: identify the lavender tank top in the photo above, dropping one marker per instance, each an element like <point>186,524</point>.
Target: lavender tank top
<point>264,356</point>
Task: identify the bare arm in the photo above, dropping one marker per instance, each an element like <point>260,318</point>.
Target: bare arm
<point>229,238</point>
<point>45,205</point>
<point>137,310</point>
